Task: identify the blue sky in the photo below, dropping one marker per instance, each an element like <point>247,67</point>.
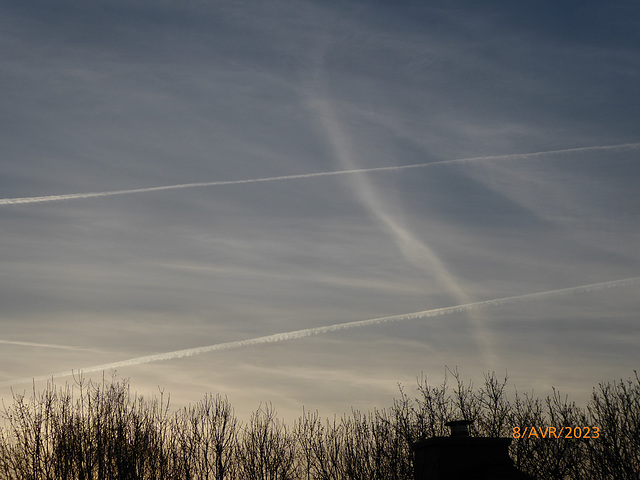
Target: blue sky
<point>541,100</point>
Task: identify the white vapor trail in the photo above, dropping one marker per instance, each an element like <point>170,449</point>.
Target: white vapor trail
<point>516,156</point>
<point>416,251</point>
<point>307,332</point>
<point>45,345</point>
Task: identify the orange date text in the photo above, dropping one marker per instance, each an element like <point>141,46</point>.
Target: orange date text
<point>556,432</point>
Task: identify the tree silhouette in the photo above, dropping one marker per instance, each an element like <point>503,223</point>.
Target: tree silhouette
<point>87,431</point>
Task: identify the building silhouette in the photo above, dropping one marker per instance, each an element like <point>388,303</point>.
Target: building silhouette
<point>462,457</point>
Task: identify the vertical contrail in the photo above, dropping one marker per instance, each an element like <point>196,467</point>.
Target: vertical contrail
<point>307,332</point>
<point>515,156</point>
<point>415,250</point>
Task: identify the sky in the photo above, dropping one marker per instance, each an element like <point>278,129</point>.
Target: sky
<point>308,203</point>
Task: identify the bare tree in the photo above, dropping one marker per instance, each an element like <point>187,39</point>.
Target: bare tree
<point>266,450</point>
<point>615,408</point>
<point>206,436</point>
<point>306,432</point>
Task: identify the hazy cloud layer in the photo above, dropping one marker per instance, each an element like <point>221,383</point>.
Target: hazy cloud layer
<point>155,194</point>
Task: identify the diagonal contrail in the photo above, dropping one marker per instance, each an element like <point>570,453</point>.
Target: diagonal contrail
<point>307,332</point>
<point>516,156</point>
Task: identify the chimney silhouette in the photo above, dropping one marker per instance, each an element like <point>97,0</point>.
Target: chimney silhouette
<point>462,457</point>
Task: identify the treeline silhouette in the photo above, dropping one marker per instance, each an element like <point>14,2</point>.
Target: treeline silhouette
<point>102,431</point>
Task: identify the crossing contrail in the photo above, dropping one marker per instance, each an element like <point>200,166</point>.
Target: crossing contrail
<point>516,156</point>
<point>307,332</point>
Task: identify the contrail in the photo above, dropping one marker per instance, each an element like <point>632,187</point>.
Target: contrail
<point>516,156</point>
<point>416,251</point>
<point>45,345</point>
<point>307,332</point>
